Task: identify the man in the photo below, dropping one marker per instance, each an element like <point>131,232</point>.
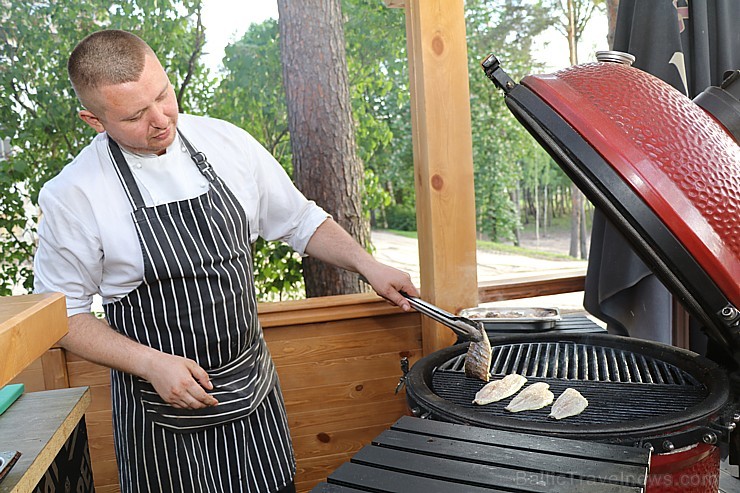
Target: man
<point>157,216</point>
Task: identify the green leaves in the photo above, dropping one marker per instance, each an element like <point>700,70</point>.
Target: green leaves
<point>277,272</point>
<point>39,108</point>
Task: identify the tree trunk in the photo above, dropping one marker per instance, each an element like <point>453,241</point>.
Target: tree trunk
<point>582,223</point>
<point>611,14</point>
<point>572,35</point>
<point>537,217</point>
<point>325,163</point>
<point>545,211</point>
<point>575,209</point>
<point>517,208</point>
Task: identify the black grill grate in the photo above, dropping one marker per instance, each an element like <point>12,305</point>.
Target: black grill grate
<point>608,402</point>
<point>583,362</point>
<point>621,386</point>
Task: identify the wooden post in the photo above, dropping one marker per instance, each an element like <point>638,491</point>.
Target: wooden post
<point>29,325</point>
<point>443,159</point>
<point>54,367</point>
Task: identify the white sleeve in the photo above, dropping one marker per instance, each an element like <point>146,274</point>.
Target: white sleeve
<point>69,257</point>
<point>284,212</point>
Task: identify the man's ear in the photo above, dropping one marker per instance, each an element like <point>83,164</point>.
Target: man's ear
<point>89,117</point>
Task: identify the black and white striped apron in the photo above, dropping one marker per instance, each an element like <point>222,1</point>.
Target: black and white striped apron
<point>197,300</point>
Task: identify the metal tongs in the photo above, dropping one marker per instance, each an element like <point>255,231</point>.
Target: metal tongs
<point>466,328</point>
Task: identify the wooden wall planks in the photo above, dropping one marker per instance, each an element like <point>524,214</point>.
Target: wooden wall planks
<point>339,363</point>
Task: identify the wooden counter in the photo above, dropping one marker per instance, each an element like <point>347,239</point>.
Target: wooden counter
<point>38,425</point>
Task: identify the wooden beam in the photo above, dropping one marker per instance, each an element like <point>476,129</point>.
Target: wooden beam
<point>532,285</point>
<point>324,309</point>
<point>443,159</point>
<point>29,325</point>
<point>54,365</point>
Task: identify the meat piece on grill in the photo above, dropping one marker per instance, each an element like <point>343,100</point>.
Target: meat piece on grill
<point>499,389</point>
<point>536,396</point>
<point>478,359</point>
<point>570,403</point>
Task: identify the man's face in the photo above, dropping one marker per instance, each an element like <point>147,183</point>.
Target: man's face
<point>142,115</point>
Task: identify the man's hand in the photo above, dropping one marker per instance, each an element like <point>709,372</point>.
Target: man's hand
<point>332,244</point>
<point>180,382</point>
<point>389,282</point>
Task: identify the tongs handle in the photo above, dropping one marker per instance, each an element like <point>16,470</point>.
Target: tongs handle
<point>463,327</point>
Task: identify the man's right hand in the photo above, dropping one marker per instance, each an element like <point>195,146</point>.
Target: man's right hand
<point>180,382</point>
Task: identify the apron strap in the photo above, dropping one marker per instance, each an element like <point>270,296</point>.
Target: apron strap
<point>198,158</point>
<point>125,175</point>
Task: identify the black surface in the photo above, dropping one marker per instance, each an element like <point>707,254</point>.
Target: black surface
<point>334,488</point>
<point>608,402</point>
<point>556,446</point>
<point>424,397</point>
<point>424,456</point>
<point>71,469</point>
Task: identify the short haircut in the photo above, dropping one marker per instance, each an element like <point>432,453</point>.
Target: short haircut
<point>106,57</point>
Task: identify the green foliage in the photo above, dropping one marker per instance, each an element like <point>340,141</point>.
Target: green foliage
<point>502,148</point>
<point>275,276</point>
<point>39,108</point>
<point>251,95</point>
<point>379,85</point>
<point>401,217</point>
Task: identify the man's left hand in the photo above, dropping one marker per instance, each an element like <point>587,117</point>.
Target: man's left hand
<point>389,282</point>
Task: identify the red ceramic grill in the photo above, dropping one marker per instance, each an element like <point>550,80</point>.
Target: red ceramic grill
<point>667,174</point>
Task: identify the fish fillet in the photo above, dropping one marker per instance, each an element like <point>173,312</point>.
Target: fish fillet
<point>478,359</point>
<point>499,389</point>
<point>536,396</point>
<point>570,403</point>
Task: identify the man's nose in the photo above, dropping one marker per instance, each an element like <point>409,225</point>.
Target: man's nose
<point>159,118</point>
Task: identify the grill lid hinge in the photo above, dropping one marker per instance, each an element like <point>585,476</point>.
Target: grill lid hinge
<point>731,316</point>
<point>405,370</point>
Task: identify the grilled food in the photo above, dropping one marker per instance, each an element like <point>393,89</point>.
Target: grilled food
<point>536,396</point>
<point>478,359</point>
<point>499,389</point>
<point>570,403</point>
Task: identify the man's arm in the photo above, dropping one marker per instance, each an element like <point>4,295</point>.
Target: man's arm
<point>179,381</point>
<point>332,244</point>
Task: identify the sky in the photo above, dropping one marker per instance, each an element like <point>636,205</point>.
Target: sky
<point>227,20</point>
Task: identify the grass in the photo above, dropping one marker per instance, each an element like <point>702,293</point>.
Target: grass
<point>491,246</point>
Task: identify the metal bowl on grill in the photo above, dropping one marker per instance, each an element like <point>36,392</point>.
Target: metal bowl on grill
<point>513,319</point>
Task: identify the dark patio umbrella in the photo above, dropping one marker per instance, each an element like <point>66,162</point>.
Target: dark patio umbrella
<point>689,44</point>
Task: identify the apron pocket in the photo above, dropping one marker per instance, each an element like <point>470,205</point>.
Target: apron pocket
<point>238,389</point>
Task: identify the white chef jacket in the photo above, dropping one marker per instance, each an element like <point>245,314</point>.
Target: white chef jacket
<point>87,240</point>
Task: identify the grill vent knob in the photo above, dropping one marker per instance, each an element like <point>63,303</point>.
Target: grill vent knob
<point>615,57</point>
<point>668,445</point>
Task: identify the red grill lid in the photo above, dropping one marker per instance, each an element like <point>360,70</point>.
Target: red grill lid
<point>664,170</point>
